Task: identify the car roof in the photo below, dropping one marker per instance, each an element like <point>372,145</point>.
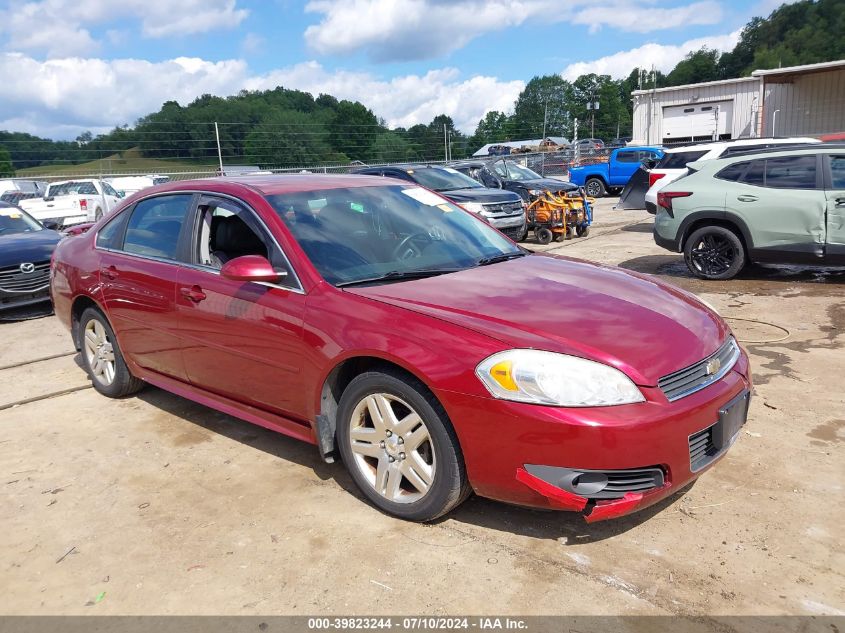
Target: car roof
<point>738,157</point>
<point>740,143</point>
<point>274,184</point>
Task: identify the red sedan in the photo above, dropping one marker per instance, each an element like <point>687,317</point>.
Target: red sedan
<point>377,320</point>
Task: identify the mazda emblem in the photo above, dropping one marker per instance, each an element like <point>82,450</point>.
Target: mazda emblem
<point>27,267</point>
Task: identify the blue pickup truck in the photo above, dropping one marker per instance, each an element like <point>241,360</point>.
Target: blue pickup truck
<point>612,176</point>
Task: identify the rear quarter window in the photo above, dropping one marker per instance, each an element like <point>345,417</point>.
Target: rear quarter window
<point>733,172</point>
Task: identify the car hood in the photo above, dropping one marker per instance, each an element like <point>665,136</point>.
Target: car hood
<point>480,194</point>
<point>549,184</point>
<point>34,247</point>
<point>636,323</point>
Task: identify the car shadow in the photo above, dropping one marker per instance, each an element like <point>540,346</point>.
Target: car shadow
<point>754,279</point>
<point>484,513</point>
<point>639,228</point>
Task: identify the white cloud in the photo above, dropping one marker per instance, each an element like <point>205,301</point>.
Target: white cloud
<point>390,30</point>
<point>663,57</point>
<point>64,97</point>
<point>62,27</point>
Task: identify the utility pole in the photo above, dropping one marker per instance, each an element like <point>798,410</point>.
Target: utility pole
<point>219,151</point>
<point>543,158</point>
<point>445,143</point>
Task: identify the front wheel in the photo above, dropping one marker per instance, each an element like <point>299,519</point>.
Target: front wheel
<point>102,358</point>
<point>544,235</point>
<point>399,446</point>
<point>714,252</point>
<point>595,188</point>
<point>582,230</point>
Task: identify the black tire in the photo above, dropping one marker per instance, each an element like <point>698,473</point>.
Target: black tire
<point>98,214</point>
<point>714,252</point>
<point>595,188</point>
<point>523,236</point>
<point>124,383</point>
<point>544,235</point>
<point>449,486</point>
<point>582,230</point>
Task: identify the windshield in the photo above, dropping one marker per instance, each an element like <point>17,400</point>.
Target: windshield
<point>72,188</point>
<point>442,179</point>
<point>13,220</point>
<point>518,172</point>
<point>363,233</point>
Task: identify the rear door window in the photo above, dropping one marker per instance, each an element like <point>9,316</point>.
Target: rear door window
<point>627,157</point>
<point>837,171</point>
<point>679,160</point>
<point>791,172</point>
<point>155,225</point>
<point>756,174</point>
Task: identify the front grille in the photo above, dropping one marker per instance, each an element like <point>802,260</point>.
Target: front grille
<point>696,377</point>
<point>13,280</point>
<point>513,232</point>
<point>621,482</point>
<point>702,450</point>
<point>501,210</point>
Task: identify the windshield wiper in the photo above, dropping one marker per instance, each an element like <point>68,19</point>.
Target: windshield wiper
<point>399,275</point>
<point>495,259</point>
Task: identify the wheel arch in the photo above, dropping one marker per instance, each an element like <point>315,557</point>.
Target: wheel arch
<point>697,220</point>
<point>335,383</point>
<point>79,305</point>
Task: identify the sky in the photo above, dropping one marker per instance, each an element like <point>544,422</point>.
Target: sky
<point>67,66</point>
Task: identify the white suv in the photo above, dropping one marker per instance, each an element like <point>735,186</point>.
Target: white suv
<point>673,165</point>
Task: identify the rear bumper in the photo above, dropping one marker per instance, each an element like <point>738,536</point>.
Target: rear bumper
<point>503,441</point>
<point>651,207</point>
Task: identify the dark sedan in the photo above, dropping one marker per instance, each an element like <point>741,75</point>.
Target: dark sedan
<point>25,250</point>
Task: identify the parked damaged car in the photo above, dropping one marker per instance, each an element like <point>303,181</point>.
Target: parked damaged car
<point>506,173</point>
<point>780,205</point>
<point>380,322</point>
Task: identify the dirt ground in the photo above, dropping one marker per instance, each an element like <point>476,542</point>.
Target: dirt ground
<point>155,505</point>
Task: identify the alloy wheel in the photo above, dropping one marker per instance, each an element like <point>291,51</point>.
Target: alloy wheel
<point>392,448</point>
<point>99,352</point>
<point>713,255</point>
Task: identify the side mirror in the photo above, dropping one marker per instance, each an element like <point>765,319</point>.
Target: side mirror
<point>250,268</point>
<point>121,194</point>
<point>649,163</point>
<point>50,224</point>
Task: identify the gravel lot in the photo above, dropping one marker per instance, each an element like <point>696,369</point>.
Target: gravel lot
<point>172,508</point>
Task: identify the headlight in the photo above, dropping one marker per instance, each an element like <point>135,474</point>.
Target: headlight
<point>535,192</point>
<point>473,207</point>
<point>538,377</point>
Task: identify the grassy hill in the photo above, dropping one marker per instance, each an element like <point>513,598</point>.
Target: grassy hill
<point>129,162</point>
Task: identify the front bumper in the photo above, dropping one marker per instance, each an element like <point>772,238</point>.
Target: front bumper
<point>12,301</point>
<point>501,441</point>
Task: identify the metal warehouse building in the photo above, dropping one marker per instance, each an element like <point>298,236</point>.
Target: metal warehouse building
<point>795,101</point>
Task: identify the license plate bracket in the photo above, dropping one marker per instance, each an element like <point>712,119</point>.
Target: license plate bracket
<point>732,417</point>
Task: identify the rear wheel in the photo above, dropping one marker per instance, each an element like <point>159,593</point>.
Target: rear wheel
<point>582,230</point>
<point>102,357</point>
<point>399,446</point>
<point>98,213</point>
<point>595,188</point>
<point>714,252</point>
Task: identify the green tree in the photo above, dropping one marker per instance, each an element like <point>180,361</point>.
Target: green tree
<point>6,168</point>
<point>699,66</point>
<point>390,147</point>
<point>353,129</point>
<point>612,114</point>
<point>547,98</point>
<point>288,139</point>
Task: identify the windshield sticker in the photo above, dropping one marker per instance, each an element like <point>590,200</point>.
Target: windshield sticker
<point>424,196</point>
<point>450,170</point>
<point>10,213</point>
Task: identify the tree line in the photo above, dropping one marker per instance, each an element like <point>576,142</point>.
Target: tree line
<point>283,127</point>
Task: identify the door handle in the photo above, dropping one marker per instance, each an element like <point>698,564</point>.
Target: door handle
<point>840,202</point>
<point>110,272</point>
<point>747,198</point>
<point>194,293</point>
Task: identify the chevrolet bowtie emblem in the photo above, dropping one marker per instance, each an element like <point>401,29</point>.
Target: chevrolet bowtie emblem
<point>713,366</point>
